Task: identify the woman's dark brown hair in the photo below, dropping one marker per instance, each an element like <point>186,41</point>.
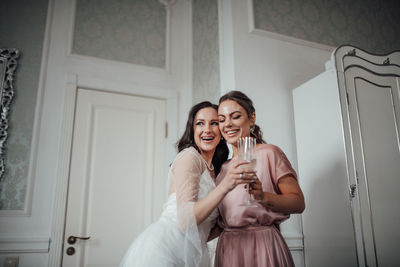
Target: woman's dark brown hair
<point>246,103</point>
<point>187,139</point>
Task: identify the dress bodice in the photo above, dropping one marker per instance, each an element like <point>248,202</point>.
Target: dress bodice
<point>272,165</point>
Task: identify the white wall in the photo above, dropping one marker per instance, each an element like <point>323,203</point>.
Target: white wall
<point>267,67</point>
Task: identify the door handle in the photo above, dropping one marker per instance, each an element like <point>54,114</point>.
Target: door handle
<point>72,239</point>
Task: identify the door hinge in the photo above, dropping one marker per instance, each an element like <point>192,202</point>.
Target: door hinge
<point>347,96</point>
<point>166,129</point>
<point>353,188</point>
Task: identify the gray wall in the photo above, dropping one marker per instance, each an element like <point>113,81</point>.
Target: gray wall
<point>373,25</point>
<point>205,51</point>
<point>22,26</point>
<point>131,31</point>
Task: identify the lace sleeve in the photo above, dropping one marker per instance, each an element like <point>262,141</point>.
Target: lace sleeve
<point>186,172</point>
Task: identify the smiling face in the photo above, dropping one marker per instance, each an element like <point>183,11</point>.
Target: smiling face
<point>234,121</point>
<point>206,131</point>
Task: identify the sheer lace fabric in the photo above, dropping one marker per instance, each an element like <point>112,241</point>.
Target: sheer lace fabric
<point>186,173</point>
<point>176,239</point>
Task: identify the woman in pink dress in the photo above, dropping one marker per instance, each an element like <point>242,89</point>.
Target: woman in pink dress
<point>251,235</point>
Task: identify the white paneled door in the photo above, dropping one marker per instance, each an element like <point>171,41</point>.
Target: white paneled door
<point>117,177</point>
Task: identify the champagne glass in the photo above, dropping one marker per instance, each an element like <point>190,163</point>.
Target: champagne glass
<point>247,152</point>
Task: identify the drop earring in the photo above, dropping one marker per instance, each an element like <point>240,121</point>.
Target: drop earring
<point>252,130</point>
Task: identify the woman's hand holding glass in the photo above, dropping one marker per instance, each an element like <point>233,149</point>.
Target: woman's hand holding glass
<point>237,174</point>
<point>256,190</point>
<point>247,152</point>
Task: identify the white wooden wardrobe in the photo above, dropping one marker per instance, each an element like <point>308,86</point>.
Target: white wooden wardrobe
<point>347,133</point>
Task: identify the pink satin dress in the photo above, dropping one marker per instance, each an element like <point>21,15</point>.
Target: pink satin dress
<point>251,237</point>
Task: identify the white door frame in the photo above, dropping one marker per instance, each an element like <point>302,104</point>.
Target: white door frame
<point>73,83</point>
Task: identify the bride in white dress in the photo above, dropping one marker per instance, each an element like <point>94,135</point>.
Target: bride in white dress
<point>179,237</point>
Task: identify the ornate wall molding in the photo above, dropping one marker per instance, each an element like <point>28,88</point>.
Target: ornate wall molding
<point>8,66</point>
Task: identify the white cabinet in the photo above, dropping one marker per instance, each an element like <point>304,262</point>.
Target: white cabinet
<point>347,123</point>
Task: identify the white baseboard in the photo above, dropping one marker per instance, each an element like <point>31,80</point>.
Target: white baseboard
<point>294,242</point>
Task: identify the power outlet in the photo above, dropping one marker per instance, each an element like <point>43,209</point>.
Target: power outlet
<point>11,261</point>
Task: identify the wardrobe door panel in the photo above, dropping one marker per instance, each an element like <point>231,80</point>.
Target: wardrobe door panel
<point>374,118</point>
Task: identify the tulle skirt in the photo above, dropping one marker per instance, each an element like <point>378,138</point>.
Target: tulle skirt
<point>258,246</point>
<point>160,245</point>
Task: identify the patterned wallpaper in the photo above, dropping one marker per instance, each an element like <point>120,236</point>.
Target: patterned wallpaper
<point>22,26</point>
<point>132,31</point>
<point>373,25</point>
<point>205,51</point>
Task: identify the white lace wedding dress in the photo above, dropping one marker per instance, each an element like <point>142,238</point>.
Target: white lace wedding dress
<point>176,239</point>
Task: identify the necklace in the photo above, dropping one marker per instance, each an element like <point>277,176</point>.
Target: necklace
<point>208,167</point>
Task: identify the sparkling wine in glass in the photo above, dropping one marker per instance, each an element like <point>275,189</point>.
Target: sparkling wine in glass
<point>247,152</point>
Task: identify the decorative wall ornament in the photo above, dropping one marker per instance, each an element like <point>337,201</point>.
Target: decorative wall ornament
<point>8,65</point>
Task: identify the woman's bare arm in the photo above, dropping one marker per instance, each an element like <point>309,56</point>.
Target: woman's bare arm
<point>291,199</point>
